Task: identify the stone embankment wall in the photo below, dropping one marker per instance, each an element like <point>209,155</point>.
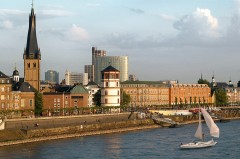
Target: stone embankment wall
<point>38,129</point>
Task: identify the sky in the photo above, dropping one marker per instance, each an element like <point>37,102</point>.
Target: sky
<point>163,39</point>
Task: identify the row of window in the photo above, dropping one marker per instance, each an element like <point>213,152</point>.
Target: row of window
<point>116,84</point>
<point>3,89</point>
<point>5,81</point>
<point>29,65</point>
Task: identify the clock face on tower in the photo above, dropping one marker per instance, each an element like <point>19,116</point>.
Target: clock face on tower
<point>31,55</point>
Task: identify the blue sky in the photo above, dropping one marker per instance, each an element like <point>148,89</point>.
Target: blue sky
<point>164,39</point>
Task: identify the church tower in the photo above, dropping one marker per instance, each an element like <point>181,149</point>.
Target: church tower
<point>32,55</point>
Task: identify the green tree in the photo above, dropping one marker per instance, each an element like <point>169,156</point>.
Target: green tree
<point>203,81</point>
<point>125,98</point>
<point>97,98</point>
<point>38,104</point>
<point>221,97</point>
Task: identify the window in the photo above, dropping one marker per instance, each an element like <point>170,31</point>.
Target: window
<point>2,97</point>
<point>106,92</point>
<point>118,100</point>
<point>28,65</point>
<point>34,65</point>
<point>31,102</point>
<point>2,89</point>
<point>106,84</point>
<point>106,101</point>
<point>117,84</point>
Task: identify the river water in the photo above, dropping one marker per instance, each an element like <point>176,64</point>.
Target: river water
<point>143,144</point>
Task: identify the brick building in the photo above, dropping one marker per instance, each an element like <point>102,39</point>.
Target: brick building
<point>64,98</point>
<point>189,94</point>
<point>146,93</point>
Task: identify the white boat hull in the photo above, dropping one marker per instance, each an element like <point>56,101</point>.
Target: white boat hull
<point>199,144</point>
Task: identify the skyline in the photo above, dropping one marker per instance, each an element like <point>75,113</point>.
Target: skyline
<point>180,39</point>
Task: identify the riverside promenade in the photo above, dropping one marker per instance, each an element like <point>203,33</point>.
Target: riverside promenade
<point>19,131</point>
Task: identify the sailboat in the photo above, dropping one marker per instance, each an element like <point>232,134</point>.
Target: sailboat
<point>214,132</point>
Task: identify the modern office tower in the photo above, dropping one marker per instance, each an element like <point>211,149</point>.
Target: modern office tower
<point>118,62</point>
<point>52,76</point>
<point>110,87</point>
<point>32,55</point>
<point>90,71</point>
<point>97,53</point>
<point>72,78</point>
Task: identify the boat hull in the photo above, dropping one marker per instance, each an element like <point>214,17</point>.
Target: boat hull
<point>199,144</point>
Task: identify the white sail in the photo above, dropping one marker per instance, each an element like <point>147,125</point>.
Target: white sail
<point>199,133</point>
<point>214,130</point>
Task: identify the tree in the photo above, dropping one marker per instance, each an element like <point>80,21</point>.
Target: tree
<point>203,81</point>
<point>221,96</point>
<point>38,103</point>
<point>125,98</point>
<point>97,98</point>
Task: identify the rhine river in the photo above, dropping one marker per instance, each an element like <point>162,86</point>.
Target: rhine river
<point>143,144</point>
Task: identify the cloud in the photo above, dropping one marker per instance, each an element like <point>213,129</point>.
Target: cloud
<point>76,33</point>
<point>201,25</point>
<point>73,33</point>
<point>6,24</point>
<point>53,13</point>
<point>167,17</point>
<point>138,11</point>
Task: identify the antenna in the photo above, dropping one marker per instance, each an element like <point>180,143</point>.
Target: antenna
<point>32,4</point>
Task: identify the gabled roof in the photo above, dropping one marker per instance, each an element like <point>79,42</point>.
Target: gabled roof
<point>79,89</point>
<point>91,83</point>
<point>110,69</point>
<point>2,75</point>
<point>23,87</point>
<point>66,88</point>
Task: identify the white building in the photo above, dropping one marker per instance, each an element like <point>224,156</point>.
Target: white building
<point>92,88</point>
<point>72,78</point>
<point>110,87</point>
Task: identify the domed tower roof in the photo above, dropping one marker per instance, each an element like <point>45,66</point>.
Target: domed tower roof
<point>15,73</point>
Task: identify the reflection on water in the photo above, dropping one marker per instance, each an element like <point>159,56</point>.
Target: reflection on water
<point>152,143</point>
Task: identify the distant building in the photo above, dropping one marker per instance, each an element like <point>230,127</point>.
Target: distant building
<point>90,71</point>
<point>118,62</point>
<point>52,76</point>
<point>65,100</point>
<point>132,77</point>
<point>15,95</point>
<point>110,87</point>
<point>190,94</point>
<point>92,88</point>
<point>146,93</point>
<point>72,78</point>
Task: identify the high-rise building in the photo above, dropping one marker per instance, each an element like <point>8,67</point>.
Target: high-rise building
<point>96,53</point>
<point>72,78</point>
<point>118,62</point>
<point>90,71</point>
<point>52,76</point>
<point>32,55</point>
